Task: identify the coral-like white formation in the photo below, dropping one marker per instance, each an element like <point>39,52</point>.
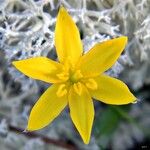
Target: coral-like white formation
<point>27,30</point>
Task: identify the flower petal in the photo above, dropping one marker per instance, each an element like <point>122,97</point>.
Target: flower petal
<point>102,56</point>
<point>112,91</point>
<point>82,112</point>
<point>40,68</point>
<point>67,38</point>
<point>46,109</point>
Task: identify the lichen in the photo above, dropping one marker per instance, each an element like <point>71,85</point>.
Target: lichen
<point>27,30</point>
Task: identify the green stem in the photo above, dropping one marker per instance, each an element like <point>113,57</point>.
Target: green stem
<point>130,119</point>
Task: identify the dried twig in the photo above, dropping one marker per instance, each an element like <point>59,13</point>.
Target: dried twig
<point>48,140</point>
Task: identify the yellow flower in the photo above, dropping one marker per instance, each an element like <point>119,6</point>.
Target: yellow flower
<point>76,78</point>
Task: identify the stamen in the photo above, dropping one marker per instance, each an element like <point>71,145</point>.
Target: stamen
<point>91,84</point>
<point>76,76</point>
<point>63,76</point>
<point>78,88</point>
<point>61,90</point>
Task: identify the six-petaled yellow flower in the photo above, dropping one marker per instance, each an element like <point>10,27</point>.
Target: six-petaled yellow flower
<point>76,78</point>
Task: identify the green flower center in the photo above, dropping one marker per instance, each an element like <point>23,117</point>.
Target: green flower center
<point>75,76</point>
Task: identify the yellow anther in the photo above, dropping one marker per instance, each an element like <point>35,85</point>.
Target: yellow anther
<point>61,90</point>
<point>63,76</point>
<point>76,76</point>
<point>78,88</point>
<point>91,84</point>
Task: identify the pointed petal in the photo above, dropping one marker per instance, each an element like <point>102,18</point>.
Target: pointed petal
<point>67,38</point>
<point>46,109</point>
<point>82,112</point>
<point>102,56</point>
<point>112,91</point>
<point>40,68</point>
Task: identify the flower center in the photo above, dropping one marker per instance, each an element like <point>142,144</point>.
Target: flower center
<point>72,78</point>
<point>75,76</point>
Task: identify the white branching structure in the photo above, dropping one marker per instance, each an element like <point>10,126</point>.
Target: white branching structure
<point>27,30</point>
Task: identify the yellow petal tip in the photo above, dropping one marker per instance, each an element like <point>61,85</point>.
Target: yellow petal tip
<point>134,99</point>
<point>28,128</point>
<point>14,63</point>
<point>86,141</point>
<point>62,9</point>
<point>31,128</point>
<point>123,38</point>
<point>131,99</point>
